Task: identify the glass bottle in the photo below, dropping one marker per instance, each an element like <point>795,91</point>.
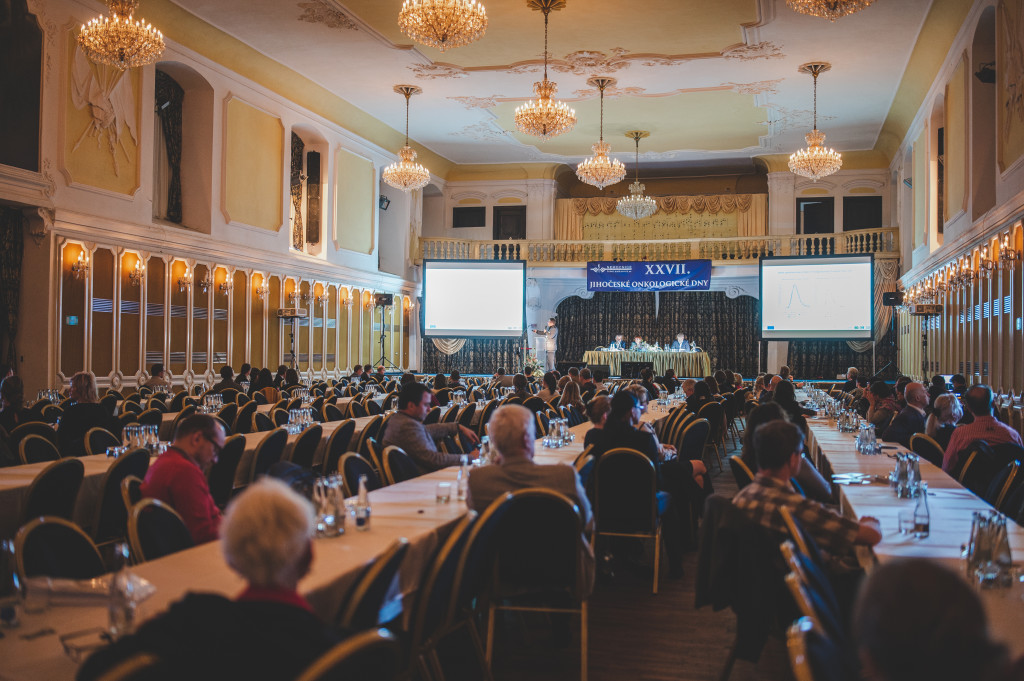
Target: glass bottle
<point>922,518</point>
<point>121,606</point>
<point>363,506</point>
<point>10,587</point>
<point>462,481</point>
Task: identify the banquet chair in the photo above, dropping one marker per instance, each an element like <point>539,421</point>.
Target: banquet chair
<point>131,407</point>
<point>55,547</point>
<point>261,423</point>
<point>485,416</point>
<point>23,430</point>
<point>268,452</point>
<point>678,420</point>
<point>127,418</point>
<point>221,478</point>
<point>433,416</point>
<point>443,396</point>
<point>317,406</point>
<point>983,462</point>
<point>626,500</point>
<point>692,441</point>
<point>539,562</point>
<point>715,415</point>
<point>178,401</point>
<point>279,416</point>
<point>295,403</point>
<point>535,404</point>
<point>1004,484</point>
<point>156,530</point>
<point>390,401</point>
<point>352,466</point>
<point>230,395</point>
<point>372,655</point>
<point>97,440</point>
<point>280,404</point>
<point>357,409</point>
<point>223,424</point>
<point>138,667</point>
<point>228,412</point>
<point>186,411</point>
<point>466,415</point>
<point>54,490</point>
<point>243,418</point>
<point>813,656</point>
<point>370,430</point>
<point>740,471</point>
<point>150,417</point>
<point>304,451</point>
<point>36,449</point>
<point>927,448</point>
<point>157,403</point>
<point>109,402</point>
<point>259,397</point>
<point>450,415</point>
<point>131,492</point>
<point>398,466</point>
<point>372,407</point>
<point>51,414</point>
<point>337,445</point>
<point>367,598</point>
<point>331,412</point>
<point>542,423</point>
<point>814,601</point>
<point>804,542</point>
<point>110,519</point>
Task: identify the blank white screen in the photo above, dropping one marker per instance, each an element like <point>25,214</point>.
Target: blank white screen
<point>478,299</point>
<point>820,298</point>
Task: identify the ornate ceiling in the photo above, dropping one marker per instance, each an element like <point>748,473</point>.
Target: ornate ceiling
<point>713,80</point>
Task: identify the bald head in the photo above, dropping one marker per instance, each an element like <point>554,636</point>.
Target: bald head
<point>916,395</point>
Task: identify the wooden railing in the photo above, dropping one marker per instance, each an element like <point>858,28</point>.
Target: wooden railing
<point>732,250</point>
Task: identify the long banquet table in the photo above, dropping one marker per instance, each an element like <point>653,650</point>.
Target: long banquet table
<point>950,506</point>
<point>684,363</point>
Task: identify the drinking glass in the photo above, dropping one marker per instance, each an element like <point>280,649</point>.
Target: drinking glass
<point>444,492</point>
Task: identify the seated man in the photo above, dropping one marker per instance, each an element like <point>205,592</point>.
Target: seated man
<point>587,384</point>
<point>380,376</point>
<point>268,631</point>
<point>669,380</point>
<point>157,378</point>
<point>778,446</point>
<point>851,380</point>
<point>959,384</point>
<point>911,419</point>
<point>881,406</point>
<point>357,374</point>
<point>227,381</point>
<point>501,379</point>
<point>367,373</point>
<point>638,345</point>
<point>406,430</point>
<point>279,376</point>
<point>528,372</point>
<point>178,476</point>
<point>680,343</point>
<point>618,344</point>
<point>647,381</point>
<point>978,400</point>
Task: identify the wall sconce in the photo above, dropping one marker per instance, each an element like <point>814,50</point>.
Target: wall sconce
<point>80,268</point>
<point>1008,256</point>
<point>225,286</point>
<point>347,300</point>
<point>293,297</point>
<point>986,265</point>
<point>185,281</point>
<point>262,291</point>
<point>320,300</point>
<point>138,275</point>
<point>367,300</point>
<point>206,284</point>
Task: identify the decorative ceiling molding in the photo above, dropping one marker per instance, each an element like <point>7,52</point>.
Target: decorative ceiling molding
<point>757,88</point>
<point>761,50</point>
<point>476,102</point>
<point>326,13</point>
<point>613,91</point>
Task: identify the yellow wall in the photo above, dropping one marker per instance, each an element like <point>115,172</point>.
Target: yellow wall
<point>920,181</point>
<point>253,166</point>
<point>955,151</point>
<point>1010,75</point>
<point>355,199</point>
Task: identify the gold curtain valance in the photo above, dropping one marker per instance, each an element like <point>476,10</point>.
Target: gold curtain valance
<point>449,346</point>
<point>707,203</point>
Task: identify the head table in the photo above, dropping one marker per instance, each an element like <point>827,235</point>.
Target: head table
<point>694,364</point>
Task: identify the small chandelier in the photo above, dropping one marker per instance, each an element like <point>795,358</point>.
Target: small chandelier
<point>636,205</point>
<point>828,9</point>
<point>444,24</point>
<point>407,174</point>
<point>120,40</point>
<point>545,117</point>
<point>137,275</point>
<point>185,281</point>
<point>599,170</point>
<point>816,160</point>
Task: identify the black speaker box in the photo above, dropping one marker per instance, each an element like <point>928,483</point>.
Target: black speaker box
<point>383,299</point>
<point>892,298</point>
<point>633,369</point>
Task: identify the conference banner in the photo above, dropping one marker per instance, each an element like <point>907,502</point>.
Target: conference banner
<point>661,275</point>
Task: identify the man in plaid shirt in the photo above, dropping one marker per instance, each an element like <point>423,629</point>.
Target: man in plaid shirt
<point>778,446</point>
<point>984,427</point>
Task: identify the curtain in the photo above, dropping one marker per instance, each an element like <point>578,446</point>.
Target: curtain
<point>169,99</point>
<point>887,273</point>
<point>11,247</point>
<point>449,346</point>
<point>568,223</point>
<point>754,221</point>
<point>298,231</point>
<point>828,359</point>
<point>725,328</point>
<point>477,356</point>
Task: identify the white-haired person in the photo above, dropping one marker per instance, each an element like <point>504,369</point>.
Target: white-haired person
<point>946,413</point>
<point>268,631</point>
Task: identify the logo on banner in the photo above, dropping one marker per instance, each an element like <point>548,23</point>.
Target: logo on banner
<point>666,275</point>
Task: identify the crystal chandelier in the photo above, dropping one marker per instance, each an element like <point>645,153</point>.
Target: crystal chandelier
<point>120,40</point>
<point>407,174</point>
<point>636,205</point>
<point>444,24</point>
<point>599,170</point>
<point>815,161</point>
<point>828,9</point>
<point>545,117</point>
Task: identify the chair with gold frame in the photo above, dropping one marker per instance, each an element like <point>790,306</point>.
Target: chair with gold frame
<point>373,654</point>
<point>365,605</point>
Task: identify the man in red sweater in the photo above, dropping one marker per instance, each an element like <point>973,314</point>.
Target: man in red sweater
<point>178,477</point>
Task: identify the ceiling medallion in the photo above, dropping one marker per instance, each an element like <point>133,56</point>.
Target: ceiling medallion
<point>828,9</point>
<point>599,170</point>
<point>406,174</point>
<point>816,160</point>
<point>545,117</point>
<point>636,205</point>
<point>120,40</point>
<point>443,24</point>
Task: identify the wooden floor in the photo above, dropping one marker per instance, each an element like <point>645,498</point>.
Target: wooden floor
<point>636,635</point>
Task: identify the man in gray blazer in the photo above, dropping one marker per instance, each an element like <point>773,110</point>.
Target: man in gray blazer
<point>406,430</point>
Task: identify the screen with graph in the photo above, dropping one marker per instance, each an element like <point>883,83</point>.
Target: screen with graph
<point>474,298</point>
<point>817,298</point>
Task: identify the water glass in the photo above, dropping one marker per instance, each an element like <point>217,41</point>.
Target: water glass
<point>443,492</point>
<point>989,560</point>
<point>329,501</point>
<point>906,521</point>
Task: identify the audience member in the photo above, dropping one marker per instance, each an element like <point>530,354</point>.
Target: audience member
<point>911,419</point>
<point>669,380</point>
<point>688,386</point>
<point>279,377</point>
<point>381,376</point>
<point>700,396</point>
<point>814,485</point>
<point>521,387</point>
<point>440,382</point>
<point>244,373</point>
<point>269,631</point>
<point>917,620</point>
<point>786,374</point>
<point>946,413</point>
<point>563,381</point>
<point>785,397</point>
<point>766,389</point>
<point>261,381</point>
<point>356,375</point>
<point>12,397</point>
<point>571,397</point>
<point>178,476</point>
<point>550,390</point>
<point>959,384</point>
<point>291,380</point>
<point>587,384</point>
<point>881,406</point>
<point>158,378</point>
<point>978,400</point>
<point>367,373</point>
<point>528,372</point>
<point>406,430</point>
<point>455,381</point>
<point>84,412</point>
<point>851,380</point>
<point>501,379</point>
<point>574,375</point>
<point>647,381</point>
<point>723,380</point>
<point>778,446</point>
<point>737,381</point>
<point>899,392</point>
<point>712,385</point>
<point>936,388</point>
<point>227,381</point>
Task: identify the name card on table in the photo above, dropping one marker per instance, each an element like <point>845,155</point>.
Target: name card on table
<point>662,275</point>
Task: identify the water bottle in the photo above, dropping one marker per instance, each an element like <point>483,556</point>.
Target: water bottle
<point>922,518</point>
<point>121,605</point>
<point>363,506</point>
<point>462,481</point>
<point>10,587</point>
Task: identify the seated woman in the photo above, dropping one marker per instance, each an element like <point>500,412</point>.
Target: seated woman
<point>549,392</point>
<point>84,412</point>
<point>785,397</point>
<point>571,397</point>
<point>455,381</point>
<point>291,380</point>
<point>724,380</point>
<point>670,381</point>
<point>597,413</point>
<point>12,397</point>
<point>701,396</point>
<point>814,485</point>
<point>521,387</point>
<point>269,631</point>
<point>946,414</point>
<point>712,384</point>
<point>881,406</point>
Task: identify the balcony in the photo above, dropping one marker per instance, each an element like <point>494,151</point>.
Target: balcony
<point>884,243</point>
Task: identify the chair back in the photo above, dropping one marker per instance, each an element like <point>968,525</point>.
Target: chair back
<point>228,412</point>
<point>229,395</point>
<point>111,519</point>
<point>398,466</point>
<point>129,406</point>
<point>54,491</point>
<point>268,452</point>
<point>178,401</point>
<point>443,395</point>
<point>812,654</point>
<point>51,413</point>
<point>374,454</point>
<point>131,492</point>
<point>109,402</point>
<point>431,611</point>
<point>1004,484</point>
<point>279,415</point>
<point>55,547</point>
<point>625,492</point>
<point>357,409</point>
<point>450,415</point>
<point>39,428</point>
<point>372,655</point>
<point>259,397</point>
<point>305,447</point>
<point>156,530</point>
<point>485,416</point>
<point>927,448</point>
<point>337,445</point>
<point>983,462</point>
<point>221,477</point>
<point>543,422</point>
<point>740,471</point>
<point>694,437</point>
<point>157,403</point>
<point>138,667</point>
<point>433,416</point>
<point>243,418</point>
<point>714,413</point>
<point>150,417</point>
<point>331,412</point>
<point>261,423</point>
<point>475,564</point>
<point>98,439</point>
<point>368,431</point>
<point>466,415</point>
<point>186,411</point>
<point>351,466</point>
<point>36,449</point>
<point>535,404</point>
<point>817,597</point>
<point>363,605</point>
<point>804,542</point>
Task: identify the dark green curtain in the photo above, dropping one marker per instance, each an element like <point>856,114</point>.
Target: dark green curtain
<point>828,359</point>
<point>12,224</point>
<point>480,356</point>
<point>169,98</point>
<point>725,328</point>
<point>298,231</point>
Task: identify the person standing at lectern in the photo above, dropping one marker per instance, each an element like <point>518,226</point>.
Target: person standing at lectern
<point>680,343</point>
<point>550,343</point>
<point>618,344</point>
